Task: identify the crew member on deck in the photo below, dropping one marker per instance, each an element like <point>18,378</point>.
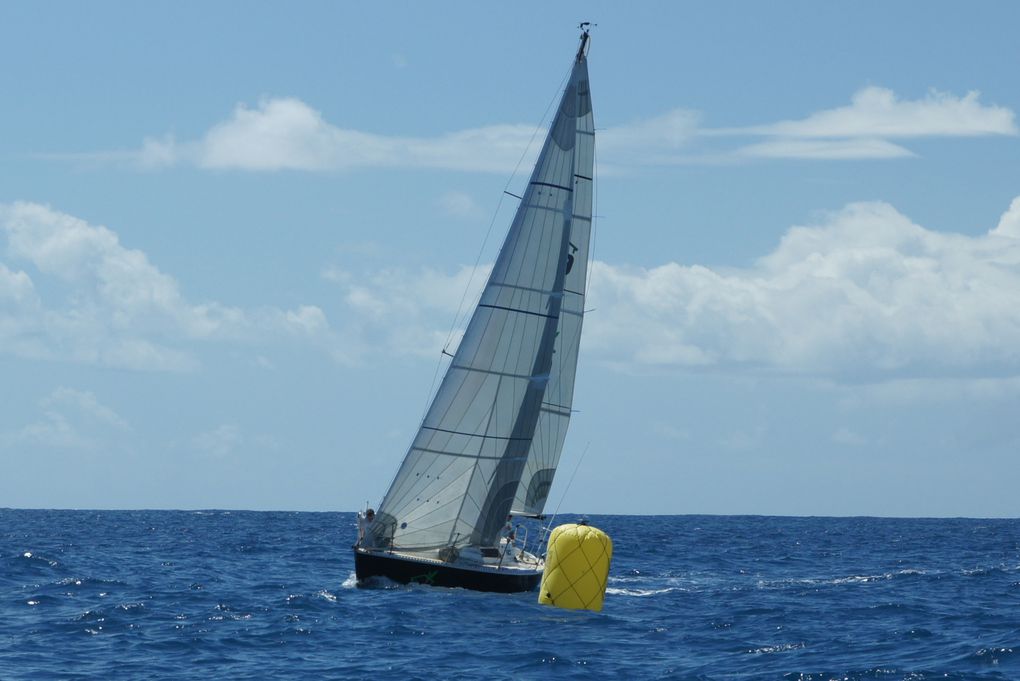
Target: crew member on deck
<point>364,522</point>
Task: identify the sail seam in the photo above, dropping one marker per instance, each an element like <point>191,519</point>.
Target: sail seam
<point>492,372</point>
<point>554,410</point>
<point>533,290</point>
<point>554,186</point>
<point>463,456</point>
<point>515,309</point>
<point>548,209</point>
<point>458,432</point>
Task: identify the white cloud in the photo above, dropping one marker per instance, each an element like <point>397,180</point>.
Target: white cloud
<point>109,304</point>
<point>54,431</point>
<point>652,141</point>
<point>459,204</point>
<point>864,294</point>
<point>285,133</point>
<point>820,149</point>
<point>394,311</point>
<point>934,391</point>
<point>1009,223</point>
<point>156,153</point>
<point>335,274</point>
<point>86,403</point>
<point>307,320</point>
<point>227,439</point>
<point>70,419</point>
<point>16,288</point>
<point>877,112</point>
<point>861,130</point>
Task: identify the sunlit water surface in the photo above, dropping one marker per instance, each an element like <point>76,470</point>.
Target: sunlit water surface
<point>243,595</point>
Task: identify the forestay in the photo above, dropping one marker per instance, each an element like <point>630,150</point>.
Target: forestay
<point>496,426</point>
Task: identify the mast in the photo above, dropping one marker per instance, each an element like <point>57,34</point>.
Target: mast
<point>476,447</point>
<point>554,418</point>
<point>582,51</point>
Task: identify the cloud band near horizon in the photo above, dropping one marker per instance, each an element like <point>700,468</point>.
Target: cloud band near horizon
<point>285,133</point>
<point>865,294</point>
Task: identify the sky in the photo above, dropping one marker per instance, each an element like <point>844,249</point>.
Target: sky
<point>234,239</point>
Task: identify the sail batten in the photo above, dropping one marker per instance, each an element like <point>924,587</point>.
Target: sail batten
<point>458,432</point>
<point>492,435</point>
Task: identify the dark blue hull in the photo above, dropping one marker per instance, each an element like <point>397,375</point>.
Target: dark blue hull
<point>406,571</point>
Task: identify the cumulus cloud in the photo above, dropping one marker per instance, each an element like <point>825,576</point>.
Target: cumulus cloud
<point>117,308</point>
<point>862,294</point>
<point>865,291</point>
<point>411,313</point>
<point>1009,224</point>
<point>16,288</point>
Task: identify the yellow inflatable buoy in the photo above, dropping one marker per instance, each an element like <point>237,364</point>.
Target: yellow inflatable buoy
<point>576,568</point>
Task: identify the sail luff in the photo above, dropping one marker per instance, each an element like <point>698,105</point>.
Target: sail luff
<point>551,429</point>
<point>501,495</point>
<point>462,471</point>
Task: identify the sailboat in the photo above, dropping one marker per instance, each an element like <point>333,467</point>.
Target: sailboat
<point>488,446</point>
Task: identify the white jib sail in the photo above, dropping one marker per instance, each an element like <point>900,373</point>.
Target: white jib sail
<point>496,426</point>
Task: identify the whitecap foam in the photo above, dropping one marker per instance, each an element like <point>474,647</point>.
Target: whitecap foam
<point>638,593</point>
<point>778,648</point>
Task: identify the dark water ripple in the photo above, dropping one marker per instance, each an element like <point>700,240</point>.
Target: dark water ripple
<point>241,595</point>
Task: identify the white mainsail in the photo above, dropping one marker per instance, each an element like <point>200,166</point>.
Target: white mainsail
<point>496,426</point>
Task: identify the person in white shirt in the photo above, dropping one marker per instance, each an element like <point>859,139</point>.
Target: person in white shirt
<point>364,522</point>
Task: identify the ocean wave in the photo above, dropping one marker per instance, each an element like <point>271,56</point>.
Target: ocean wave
<point>174,595</point>
<point>777,648</point>
<point>639,593</point>
<point>839,581</point>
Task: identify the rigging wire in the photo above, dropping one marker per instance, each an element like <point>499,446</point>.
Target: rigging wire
<point>485,241</point>
<point>595,209</point>
<point>461,314</point>
<point>547,529</point>
<point>488,232</point>
<point>587,289</point>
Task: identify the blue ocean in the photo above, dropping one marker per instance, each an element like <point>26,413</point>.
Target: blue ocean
<point>252,595</point>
